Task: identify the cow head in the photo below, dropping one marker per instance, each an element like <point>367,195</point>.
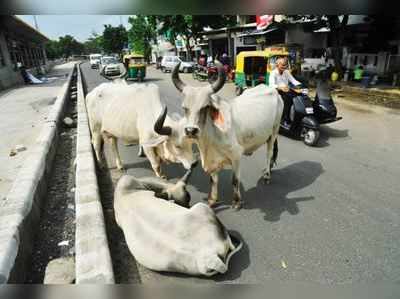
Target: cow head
<point>200,102</point>
<point>177,192</point>
<point>175,146</point>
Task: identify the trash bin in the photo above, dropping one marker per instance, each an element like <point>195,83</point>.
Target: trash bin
<point>365,81</point>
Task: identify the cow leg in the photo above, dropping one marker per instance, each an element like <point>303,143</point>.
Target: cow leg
<point>213,195</point>
<point>114,148</point>
<point>272,153</point>
<point>237,198</point>
<point>155,161</point>
<point>97,141</point>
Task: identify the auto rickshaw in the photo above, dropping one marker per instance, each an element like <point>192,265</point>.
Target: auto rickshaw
<point>254,67</point>
<point>136,66</point>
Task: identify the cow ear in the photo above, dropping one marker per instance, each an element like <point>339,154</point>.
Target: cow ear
<point>220,114</point>
<point>214,265</point>
<point>154,141</point>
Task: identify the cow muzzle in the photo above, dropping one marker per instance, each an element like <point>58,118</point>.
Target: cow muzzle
<point>192,132</point>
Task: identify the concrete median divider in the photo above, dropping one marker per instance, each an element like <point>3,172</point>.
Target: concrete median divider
<point>20,211</point>
<point>92,258</point>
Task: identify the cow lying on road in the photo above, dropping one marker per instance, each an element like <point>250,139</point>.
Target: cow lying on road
<point>163,236</point>
<point>134,113</point>
<point>225,130</point>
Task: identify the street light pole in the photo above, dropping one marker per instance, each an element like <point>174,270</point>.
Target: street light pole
<point>36,24</point>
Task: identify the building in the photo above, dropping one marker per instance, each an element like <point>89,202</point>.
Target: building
<point>19,44</point>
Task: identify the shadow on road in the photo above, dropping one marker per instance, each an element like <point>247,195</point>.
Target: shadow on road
<point>273,200</point>
<point>237,264</point>
<point>328,133</point>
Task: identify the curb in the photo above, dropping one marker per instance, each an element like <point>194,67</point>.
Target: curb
<point>371,91</point>
<point>92,254</point>
<point>20,213</point>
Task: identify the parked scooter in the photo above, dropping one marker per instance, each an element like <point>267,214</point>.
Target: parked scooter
<point>306,115</point>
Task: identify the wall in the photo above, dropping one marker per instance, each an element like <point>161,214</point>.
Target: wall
<point>8,76</point>
<point>309,40</point>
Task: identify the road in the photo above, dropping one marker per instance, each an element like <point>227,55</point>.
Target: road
<point>330,214</point>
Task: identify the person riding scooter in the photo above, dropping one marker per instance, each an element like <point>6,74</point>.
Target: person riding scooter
<point>280,79</point>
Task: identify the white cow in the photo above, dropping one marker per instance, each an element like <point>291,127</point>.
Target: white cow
<point>225,130</point>
<point>134,114</point>
<point>163,236</point>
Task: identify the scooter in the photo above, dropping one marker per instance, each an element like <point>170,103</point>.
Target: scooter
<point>306,115</point>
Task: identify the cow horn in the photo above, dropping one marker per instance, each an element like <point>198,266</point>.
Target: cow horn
<point>217,85</point>
<point>188,173</point>
<point>176,80</point>
<point>159,125</point>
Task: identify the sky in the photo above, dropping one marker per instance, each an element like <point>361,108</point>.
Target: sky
<point>79,26</point>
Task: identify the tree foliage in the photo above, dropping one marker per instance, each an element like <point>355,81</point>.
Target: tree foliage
<point>190,26</point>
<point>141,33</point>
<point>66,46</point>
<point>114,39</point>
<point>94,44</point>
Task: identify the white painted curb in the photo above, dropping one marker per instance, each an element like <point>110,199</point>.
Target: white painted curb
<point>20,212</point>
<point>92,254</point>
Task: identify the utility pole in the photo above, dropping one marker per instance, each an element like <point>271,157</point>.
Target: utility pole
<point>120,20</point>
<point>36,24</point>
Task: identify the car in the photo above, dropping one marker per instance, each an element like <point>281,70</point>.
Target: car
<point>110,65</point>
<point>169,62</point>
<point>94,60</point>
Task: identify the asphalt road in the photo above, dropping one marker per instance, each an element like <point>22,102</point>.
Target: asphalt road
<point>330,214</point>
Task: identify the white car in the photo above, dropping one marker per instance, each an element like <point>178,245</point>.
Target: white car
<point>169,62</point>
<point>94,60</point>
<point>111,66</point>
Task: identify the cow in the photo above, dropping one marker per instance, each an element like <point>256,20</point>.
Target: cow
<point>164,236</point>
<point>225,130</point>
<point>134,113</point>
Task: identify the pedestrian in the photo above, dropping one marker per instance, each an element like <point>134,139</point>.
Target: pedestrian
<point>280,78</point>
<point>209,59</point>
<point>358,73</point>
<point>24,73</point>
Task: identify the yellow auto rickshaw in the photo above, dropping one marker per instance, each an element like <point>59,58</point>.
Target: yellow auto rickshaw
<point>135,65</point>
<point>254,67</point>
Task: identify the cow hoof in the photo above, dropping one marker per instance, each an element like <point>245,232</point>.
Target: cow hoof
<point>212,203</point>
<point>236,205</point>
<point>267,177</point>
<point>267,181</point>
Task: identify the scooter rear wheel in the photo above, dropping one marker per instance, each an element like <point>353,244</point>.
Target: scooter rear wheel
<point>310,136</point>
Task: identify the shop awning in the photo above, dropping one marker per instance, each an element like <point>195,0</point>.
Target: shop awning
<point>258,32</point>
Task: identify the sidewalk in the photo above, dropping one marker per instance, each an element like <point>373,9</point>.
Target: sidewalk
<point>23,110</point>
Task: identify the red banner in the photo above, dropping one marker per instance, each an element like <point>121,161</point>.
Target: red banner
<point>264,21</point>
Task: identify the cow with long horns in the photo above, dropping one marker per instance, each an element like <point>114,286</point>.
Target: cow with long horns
<point>134,113</point>
<point>225,130</point>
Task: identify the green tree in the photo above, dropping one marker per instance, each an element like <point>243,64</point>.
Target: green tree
<point>141,33</point>
<point>53,50</point>
<point>114,38</point>
<point>94,44</point>
<point>69,46</point>
<point>190,26</point>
